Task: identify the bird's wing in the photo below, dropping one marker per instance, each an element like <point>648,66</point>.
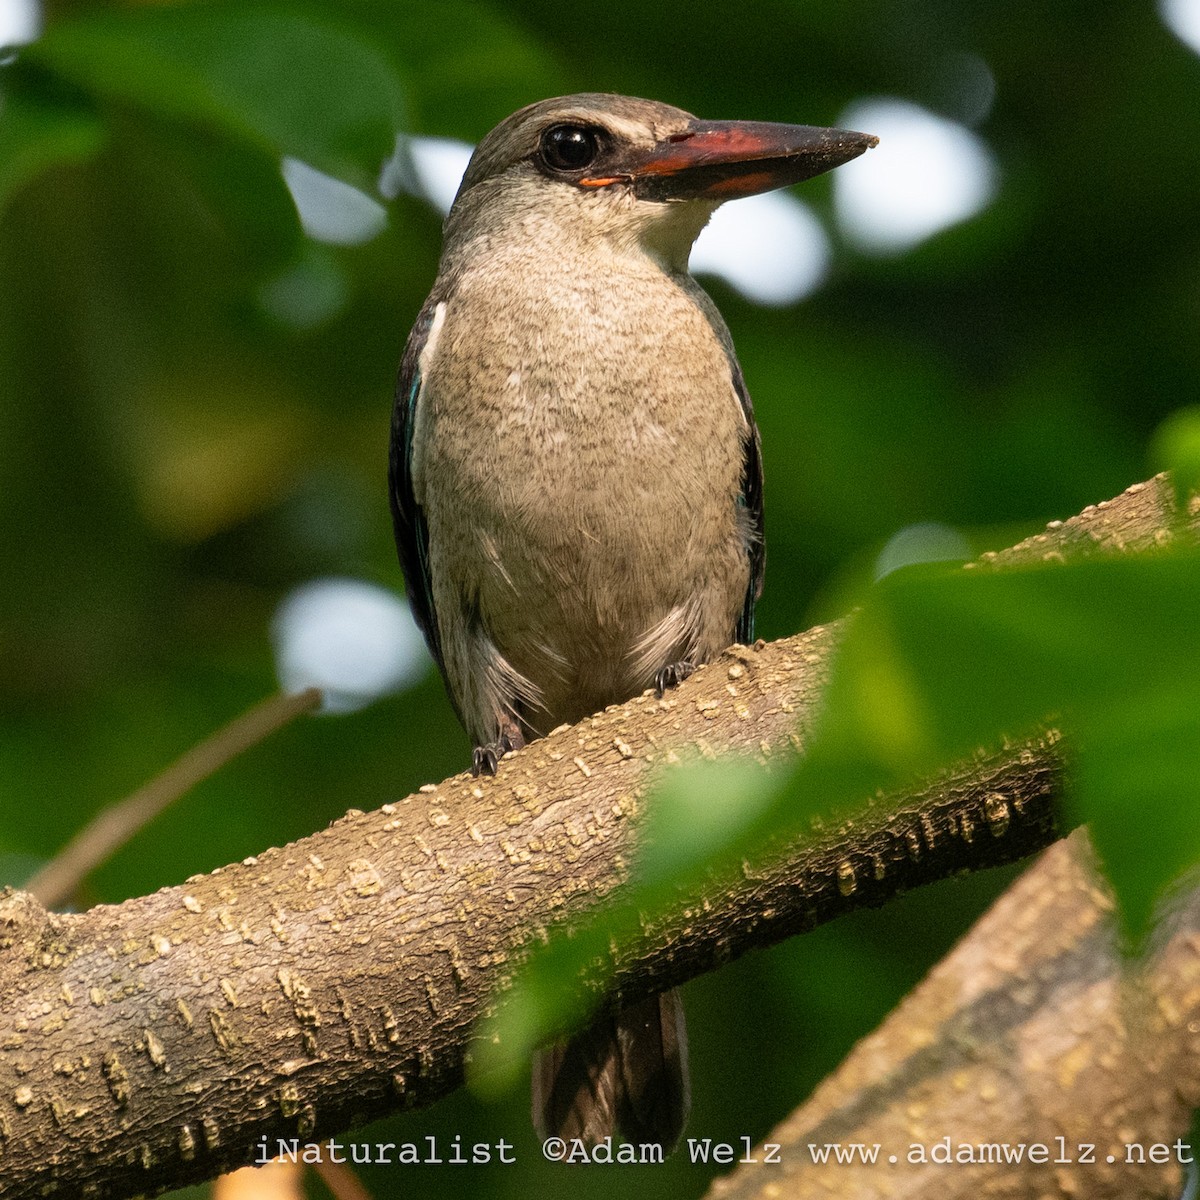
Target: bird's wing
<point>752,498</point>
<point>408,518</point>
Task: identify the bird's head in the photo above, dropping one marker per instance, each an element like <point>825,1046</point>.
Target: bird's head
<point>634,173</point>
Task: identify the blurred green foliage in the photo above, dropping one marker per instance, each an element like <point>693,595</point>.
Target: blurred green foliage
<point>175,455</point>
<point>937,663</point>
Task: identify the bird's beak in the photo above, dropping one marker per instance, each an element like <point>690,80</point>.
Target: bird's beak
<point>721,160</point>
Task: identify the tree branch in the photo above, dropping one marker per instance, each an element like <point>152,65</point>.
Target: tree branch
<point>156,1042</point>
<point>1034,1060</point>
<point>57,881</point>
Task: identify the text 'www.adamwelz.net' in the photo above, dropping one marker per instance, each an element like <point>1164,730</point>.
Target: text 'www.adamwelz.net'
<point>945,1153</point>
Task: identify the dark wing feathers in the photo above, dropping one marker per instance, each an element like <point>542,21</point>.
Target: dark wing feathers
<point>408,518</point>
<point>752,498</point>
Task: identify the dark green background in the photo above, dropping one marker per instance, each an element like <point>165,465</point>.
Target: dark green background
<point>172,462</point>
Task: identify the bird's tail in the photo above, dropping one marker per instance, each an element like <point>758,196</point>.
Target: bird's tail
<point>626,1075</point>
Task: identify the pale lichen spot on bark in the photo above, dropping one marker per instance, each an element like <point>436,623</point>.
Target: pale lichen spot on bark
<point>437,817</point>
<point>458,965</point>
<point>222,1031</point>
<point>212,1133</point>
<point>929,829</point>
<point>515,854</point>
<point>185,1013</point>
<point>98,997</point>
<point>229,992</point>
<point>116,1077</point>
<point>364,878</point>
<point>289,1100</point>
<point>23,1096</point>
<point>187,1143</point>
<point>625,805</point>
<point>192,904</point>
<point>847,881</point>
<point>54,1023</point>
<point>391,1026</point>
<point>161,945</point>
<point>155,1050</point>
<point>995,809</point>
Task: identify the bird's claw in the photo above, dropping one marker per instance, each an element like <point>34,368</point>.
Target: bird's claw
<point>487,758</point>
<point>672,675</point>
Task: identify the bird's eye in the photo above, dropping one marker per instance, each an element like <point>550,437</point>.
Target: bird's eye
<point>569,147</point>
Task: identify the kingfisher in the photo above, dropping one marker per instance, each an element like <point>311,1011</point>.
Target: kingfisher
<point>575,472</point>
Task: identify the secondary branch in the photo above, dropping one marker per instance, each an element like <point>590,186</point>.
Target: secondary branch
<point>156,1042</point>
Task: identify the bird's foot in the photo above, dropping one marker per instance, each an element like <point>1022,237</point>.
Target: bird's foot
<point>487,758</point>
<point>672,675</point>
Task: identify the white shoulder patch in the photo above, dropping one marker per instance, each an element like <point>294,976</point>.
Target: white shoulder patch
<point>425,362</point>
<point>424,366</point>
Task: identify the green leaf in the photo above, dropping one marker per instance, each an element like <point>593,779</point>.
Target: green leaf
<point>289,81</point>
<point>239,191</point>
<point>699,809</point>
<point>39,131</point>
<point>554,991</point>
<point>1136,781</point>
<point>938,663</point>
<point>990,653</point>
<point>1176,448</point>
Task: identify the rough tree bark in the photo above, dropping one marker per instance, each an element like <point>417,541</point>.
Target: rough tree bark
<point>1036,1060</point>
<point>152,1043</point>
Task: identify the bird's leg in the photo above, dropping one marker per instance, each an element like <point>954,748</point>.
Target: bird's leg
<point>487,758</point>
<point>672,675</point>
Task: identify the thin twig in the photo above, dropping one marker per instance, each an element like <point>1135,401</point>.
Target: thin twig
<point>116,825</point>
<point>341,1181</point>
